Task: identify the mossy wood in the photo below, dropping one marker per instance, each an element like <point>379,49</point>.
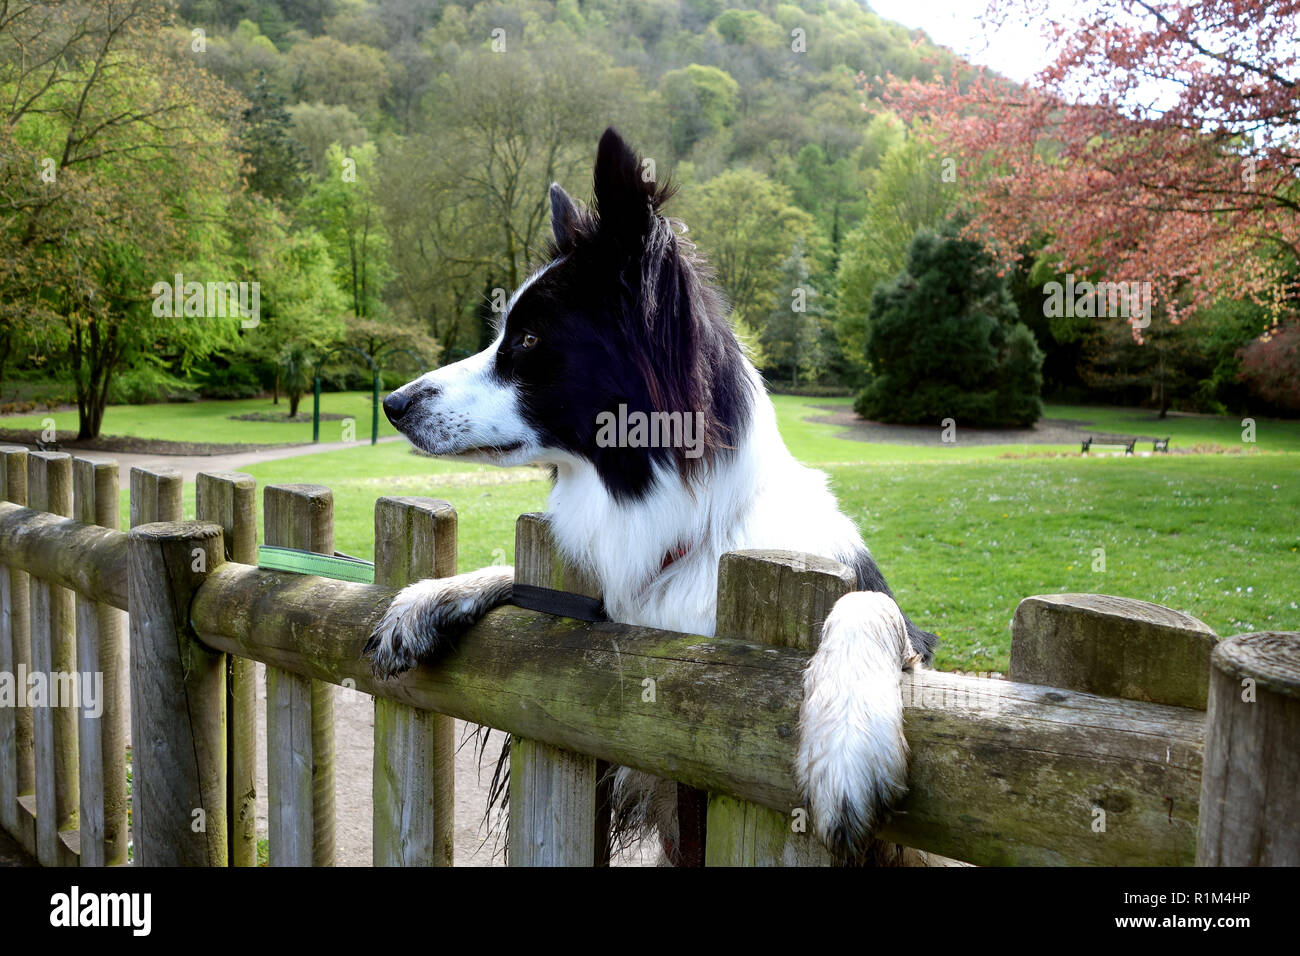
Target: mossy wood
<point>1001,772</point>
<point>1114,646</point>
<point>229,499</point>
<point>299,711</point>
<point>178,700</point>
<point>1250,814</point>
<point>101,650</point>
<point>54,656</point>
<point>414,766</point>
<point>779,598</point>
<point>553,792</point>
<point>17,766</point>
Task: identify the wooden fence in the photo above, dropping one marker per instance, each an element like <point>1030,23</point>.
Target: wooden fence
<point>1096,752</point>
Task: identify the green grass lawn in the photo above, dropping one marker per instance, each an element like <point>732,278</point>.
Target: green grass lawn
<point>819,443</point>
<point>214,421</point>
<point>811,442</point>
<point>961,533</point>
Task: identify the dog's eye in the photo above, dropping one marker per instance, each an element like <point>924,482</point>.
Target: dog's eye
<point>528,340</point>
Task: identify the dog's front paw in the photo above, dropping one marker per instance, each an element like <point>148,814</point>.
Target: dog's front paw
<point>397,644</point>
<point>851,763</point>
<point>425,614</point>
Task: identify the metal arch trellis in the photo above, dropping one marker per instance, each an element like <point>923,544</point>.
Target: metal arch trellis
<point>373,361</point>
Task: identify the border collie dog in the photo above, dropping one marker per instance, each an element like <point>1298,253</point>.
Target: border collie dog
<point>623,319</point>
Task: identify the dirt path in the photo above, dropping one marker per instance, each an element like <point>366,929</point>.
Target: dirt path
<point>191,465</point>
<point>354,729</point>
<point>1046,431</point>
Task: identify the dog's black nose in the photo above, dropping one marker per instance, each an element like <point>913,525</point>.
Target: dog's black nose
<point>395,406</point>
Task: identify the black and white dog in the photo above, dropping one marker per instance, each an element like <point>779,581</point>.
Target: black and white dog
<point>624,314</point>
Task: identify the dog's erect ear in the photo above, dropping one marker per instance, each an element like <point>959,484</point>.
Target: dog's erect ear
<point>626,199</point>
<point>564,219</point>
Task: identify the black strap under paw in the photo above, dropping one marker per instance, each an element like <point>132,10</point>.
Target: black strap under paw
<point>560,603</point>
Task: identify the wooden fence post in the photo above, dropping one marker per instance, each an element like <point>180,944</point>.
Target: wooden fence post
<point>781,598</point>
<point>101,655</point>
<point>413,777</point>
<point>178,699</point>
<point>54,660</point>
<point>17,764</point>
<point>155,495</point>
<point>299,710</point>
<point>554,807</point>
<point>229,499</point>
<point>1134,650</point>
<point>1113,647</point>
<point>1250,815</point>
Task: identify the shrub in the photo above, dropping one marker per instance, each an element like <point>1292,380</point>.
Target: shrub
<point>1270,365</point>
<point>233,381</point>
<point>943,341</point>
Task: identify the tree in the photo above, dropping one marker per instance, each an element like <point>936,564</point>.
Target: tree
<point>343,205</point>
<point>301,303</point>
<point>906,194</point>
<point>353,75</point>
<point>275,158</point>
<point>701,100</point>
<point>944,342</point>
<point>115,174</point>
<point>316,127</point>
<point>1193,190</point>
<point>509,126</point>
<point>442,255</point>
<point>746,225</point>
<point>795,333</point>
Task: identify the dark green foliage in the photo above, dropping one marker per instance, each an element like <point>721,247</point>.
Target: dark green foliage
<point>219,378</point>
<point>944,341</point>
<point>275,159</point>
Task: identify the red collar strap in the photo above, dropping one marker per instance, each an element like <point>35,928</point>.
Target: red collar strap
<point>675,554</point>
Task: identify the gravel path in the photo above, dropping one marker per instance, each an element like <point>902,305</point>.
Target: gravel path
<point>1047,431</point>
<point>190,465</point>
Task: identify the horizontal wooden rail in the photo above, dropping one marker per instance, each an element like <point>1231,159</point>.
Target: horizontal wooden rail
<point>84,558</point>
<point>1001,773</point>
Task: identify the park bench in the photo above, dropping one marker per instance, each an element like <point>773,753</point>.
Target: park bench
<point>1125,443</point>
<point>1160,444</point>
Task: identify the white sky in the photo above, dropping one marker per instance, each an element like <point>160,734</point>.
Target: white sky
<point>1014,50</point>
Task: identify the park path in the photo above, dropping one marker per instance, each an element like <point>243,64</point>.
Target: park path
<point>190,465</point>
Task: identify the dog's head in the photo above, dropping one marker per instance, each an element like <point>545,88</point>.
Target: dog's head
<point>618,322</point>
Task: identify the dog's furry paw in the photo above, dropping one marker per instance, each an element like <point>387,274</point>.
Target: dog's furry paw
<point>424,614</point>
<point>395,645</point>
<point>851,762</point>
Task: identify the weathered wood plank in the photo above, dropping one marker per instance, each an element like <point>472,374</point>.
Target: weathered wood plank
<point>300,712</point>
<point>17,766</point>
<point>727,712</point>
<point>552,805</point>
<point>178,700</point>
<point>101,652</point>
<point>1114,646</point>
<point>413,776</point>
<point>552,791</point>
<point>1250,812</point>
<point>155,495</point>
<point>229,499</point>
<point>54,663</point>
<point>83,558</point>
<point>780,598</point>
